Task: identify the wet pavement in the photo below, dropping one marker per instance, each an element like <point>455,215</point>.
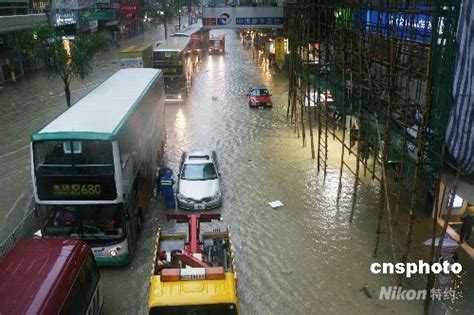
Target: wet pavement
<point>302,258</point>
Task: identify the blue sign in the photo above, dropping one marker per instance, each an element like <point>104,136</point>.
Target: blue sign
<point>411,26</point>
<point>223,19</point>
<point>259,21</point>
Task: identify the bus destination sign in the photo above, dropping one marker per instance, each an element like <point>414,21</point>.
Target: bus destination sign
<point>76,188</point>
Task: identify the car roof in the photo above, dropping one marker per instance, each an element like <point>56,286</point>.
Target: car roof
<point>199,156</point>
<point>259,87</point>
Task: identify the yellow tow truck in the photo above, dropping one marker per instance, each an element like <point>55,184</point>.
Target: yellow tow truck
<point>193,274</point>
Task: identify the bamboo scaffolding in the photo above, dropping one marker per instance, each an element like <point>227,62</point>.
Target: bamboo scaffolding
<point>378,78</point>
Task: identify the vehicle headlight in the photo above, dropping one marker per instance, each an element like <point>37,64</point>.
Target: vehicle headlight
<point>269,103</point>
<point>216,197</point>
<point>220,50</point>
<point>180,197</point>
<point>114,251</point>
<point>179,96</point>
<point>210,49</point>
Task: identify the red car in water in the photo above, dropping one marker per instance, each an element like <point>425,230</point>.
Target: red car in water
<point>259,96</point>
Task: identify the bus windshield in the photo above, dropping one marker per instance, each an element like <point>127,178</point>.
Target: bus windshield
<point>167,55</point>
<point>88,222</point>
<point>216,309</point>
<point>85,157</point>
<point>171,69</point>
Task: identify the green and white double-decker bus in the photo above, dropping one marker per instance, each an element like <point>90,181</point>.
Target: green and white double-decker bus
<point>174,57</point>
<point>94,166</point>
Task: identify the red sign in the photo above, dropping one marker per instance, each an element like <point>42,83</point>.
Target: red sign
<point>209,21</point>
<point>129,8</point>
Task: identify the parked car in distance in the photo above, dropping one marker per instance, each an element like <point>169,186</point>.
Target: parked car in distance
<point>259,96</point>
<point>199,181</point>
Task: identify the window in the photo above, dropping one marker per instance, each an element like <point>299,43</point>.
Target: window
<point>204,171</point>
<point>89,278</point>
<point>89,157</point>
<point>83,290</point>
<point>93,222</point>
<point>76,303</point>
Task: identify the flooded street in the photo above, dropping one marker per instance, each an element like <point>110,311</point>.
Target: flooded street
<point>302,258</point>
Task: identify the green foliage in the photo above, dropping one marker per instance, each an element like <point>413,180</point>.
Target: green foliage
<point>68,61</point>
<point>46,43</point>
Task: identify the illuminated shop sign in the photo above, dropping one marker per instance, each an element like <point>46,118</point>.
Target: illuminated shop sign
<point>242,17</point>
<point>65,18</point>
<point>259,21</point>
<point>411,26</point>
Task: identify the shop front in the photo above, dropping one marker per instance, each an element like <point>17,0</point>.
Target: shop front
<point>456,204</point>
<point>130,20</point>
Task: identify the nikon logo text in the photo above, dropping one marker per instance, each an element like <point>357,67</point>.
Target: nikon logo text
<point>398,293</point>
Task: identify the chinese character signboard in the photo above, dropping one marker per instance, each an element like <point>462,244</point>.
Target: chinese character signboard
<point>129,8</point>
<point>242,17</point>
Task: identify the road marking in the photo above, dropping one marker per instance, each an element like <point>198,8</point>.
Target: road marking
<point>16,151</point>
<point>14,205</point>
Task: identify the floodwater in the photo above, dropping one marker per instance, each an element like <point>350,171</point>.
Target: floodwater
<point>302,258</point>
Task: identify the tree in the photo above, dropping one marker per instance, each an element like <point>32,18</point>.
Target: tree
<point>69,61</point>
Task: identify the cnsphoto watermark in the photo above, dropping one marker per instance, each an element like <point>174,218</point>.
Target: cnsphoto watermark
<point>409,269</point>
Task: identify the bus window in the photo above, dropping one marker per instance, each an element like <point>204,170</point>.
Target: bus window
<point>167,55</point>
<point>92,222</point>
<point>87,157</point>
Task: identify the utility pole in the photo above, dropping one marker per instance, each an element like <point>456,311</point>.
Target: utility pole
<point>190,18</point>
<point>164,13</point>
<point>179,16</point>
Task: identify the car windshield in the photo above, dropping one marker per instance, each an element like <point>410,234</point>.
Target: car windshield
<point>204,171</point>
<point>260,92</point>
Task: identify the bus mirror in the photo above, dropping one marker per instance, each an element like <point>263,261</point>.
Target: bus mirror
<point>126,216</point>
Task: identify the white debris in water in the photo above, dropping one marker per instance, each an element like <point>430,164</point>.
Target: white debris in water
<point>275,204</point>
<point>286,271</point>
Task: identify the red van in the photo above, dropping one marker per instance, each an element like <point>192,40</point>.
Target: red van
<point>50,276</point>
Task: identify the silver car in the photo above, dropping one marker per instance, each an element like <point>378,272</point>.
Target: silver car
<point>199,181</point>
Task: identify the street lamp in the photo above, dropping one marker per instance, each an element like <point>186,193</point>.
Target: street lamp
<point>163,17</point>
